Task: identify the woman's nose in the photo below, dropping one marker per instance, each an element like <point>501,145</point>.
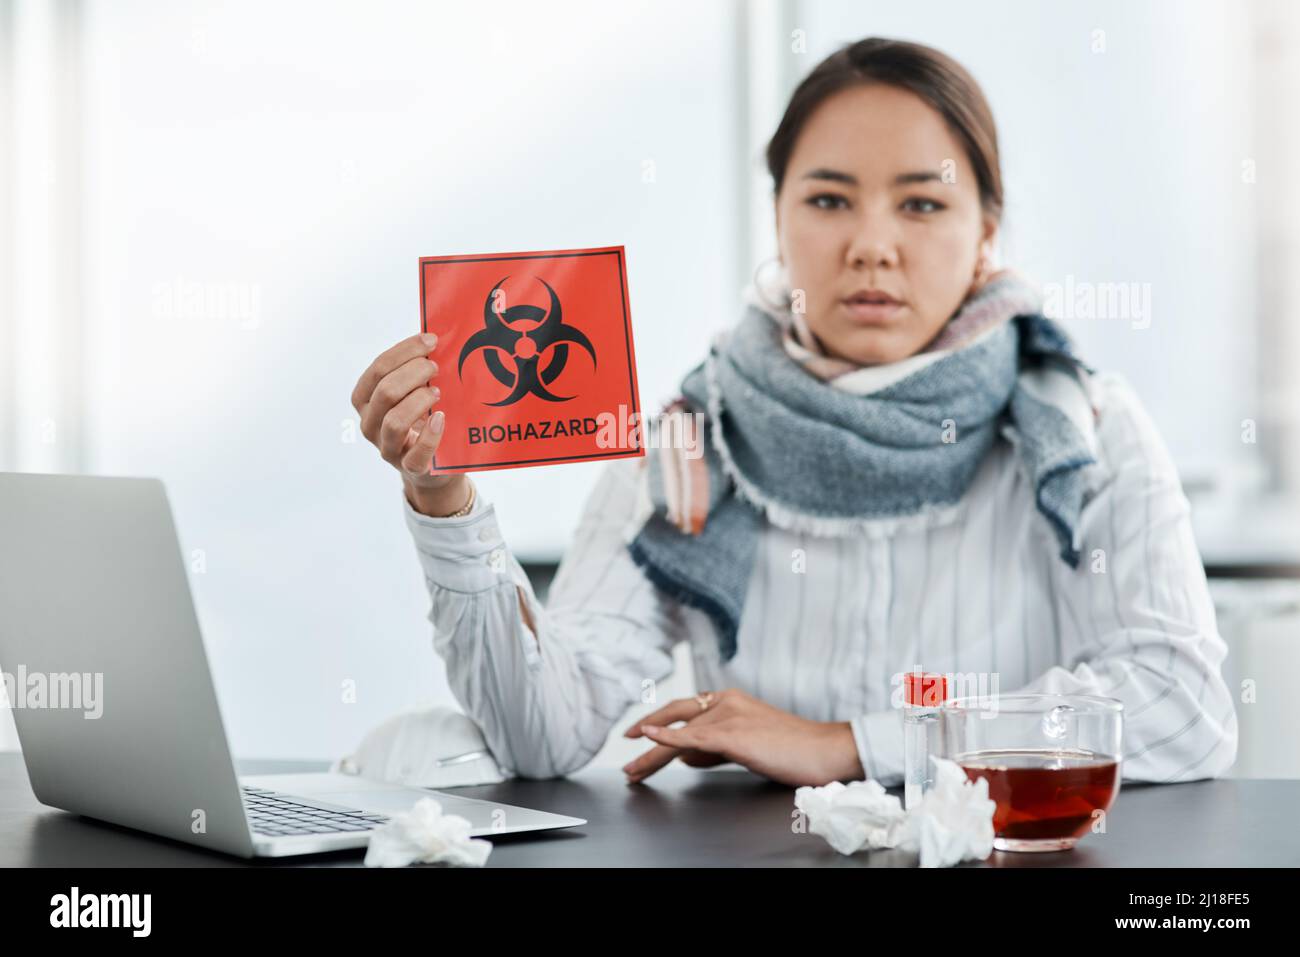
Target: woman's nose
<point>874,245</point>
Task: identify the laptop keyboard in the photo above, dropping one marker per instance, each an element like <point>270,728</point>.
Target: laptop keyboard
<point>276,815</point>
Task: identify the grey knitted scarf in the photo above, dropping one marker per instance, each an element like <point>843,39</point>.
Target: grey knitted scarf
<point>785,446</point>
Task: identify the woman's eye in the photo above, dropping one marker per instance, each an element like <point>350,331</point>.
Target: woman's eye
<point>919,204</point>
<point>817,200</point>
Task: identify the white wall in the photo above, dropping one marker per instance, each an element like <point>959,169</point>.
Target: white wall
<point>304,155</point>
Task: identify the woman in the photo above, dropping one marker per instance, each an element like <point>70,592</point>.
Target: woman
<point>905,466</point>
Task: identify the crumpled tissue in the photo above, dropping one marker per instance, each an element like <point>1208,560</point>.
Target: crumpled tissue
<point>425,835</point>
<point>953,822</point>
<point>852,816</point>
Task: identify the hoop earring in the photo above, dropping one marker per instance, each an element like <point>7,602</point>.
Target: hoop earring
<point>783,305</point>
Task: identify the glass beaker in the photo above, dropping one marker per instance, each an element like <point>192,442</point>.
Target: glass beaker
<point>1052,762</point>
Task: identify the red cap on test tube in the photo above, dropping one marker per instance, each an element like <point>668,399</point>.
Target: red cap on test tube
<point>925,690</point>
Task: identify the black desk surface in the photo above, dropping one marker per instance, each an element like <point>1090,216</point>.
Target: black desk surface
<point>687,817</point>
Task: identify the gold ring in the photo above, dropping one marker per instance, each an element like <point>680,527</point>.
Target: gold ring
<point>704,699</point>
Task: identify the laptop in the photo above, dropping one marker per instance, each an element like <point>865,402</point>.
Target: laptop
<point>119,717</point>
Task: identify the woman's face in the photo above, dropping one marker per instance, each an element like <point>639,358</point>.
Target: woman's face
<point>879,202</point>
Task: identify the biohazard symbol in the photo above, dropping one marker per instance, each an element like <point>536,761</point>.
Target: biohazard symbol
<point>525,346</point>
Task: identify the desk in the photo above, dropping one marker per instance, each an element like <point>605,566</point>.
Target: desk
<point>687,817</point>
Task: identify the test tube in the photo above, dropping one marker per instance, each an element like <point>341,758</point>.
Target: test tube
<point>925,692</point>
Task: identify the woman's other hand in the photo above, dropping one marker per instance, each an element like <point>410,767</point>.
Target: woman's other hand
<point>739,727</point>
<point>394,398</point>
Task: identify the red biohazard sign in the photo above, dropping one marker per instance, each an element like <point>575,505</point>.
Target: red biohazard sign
<point>535,358</point>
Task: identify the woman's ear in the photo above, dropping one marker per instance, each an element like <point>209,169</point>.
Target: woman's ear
<point>989,237</point>
<point>984,253</point>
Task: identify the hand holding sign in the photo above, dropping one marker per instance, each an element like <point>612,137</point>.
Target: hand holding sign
<point>394,398</point>
<point>529,356</point>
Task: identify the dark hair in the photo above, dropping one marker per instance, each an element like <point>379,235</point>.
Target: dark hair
<point>935,77</point>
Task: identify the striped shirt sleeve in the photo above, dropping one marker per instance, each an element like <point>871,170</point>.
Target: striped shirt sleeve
<point>546,684</point>
<point>878,736</point>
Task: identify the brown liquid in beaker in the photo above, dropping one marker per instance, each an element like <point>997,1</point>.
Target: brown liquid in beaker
<point>1044,794</point>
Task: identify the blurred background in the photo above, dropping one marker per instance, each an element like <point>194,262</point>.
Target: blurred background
<point>211,215</point>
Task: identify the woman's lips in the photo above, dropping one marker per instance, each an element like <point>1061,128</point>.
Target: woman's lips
<point>871,312</point>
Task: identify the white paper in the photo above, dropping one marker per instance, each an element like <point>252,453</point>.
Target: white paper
<point>425,835</point>
<point>953,822</point>
<point>852,816</point>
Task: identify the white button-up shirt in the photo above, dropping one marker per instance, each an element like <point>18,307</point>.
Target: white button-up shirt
<point>831,624</point>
